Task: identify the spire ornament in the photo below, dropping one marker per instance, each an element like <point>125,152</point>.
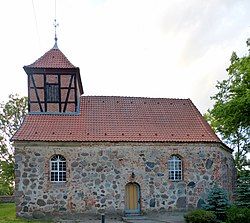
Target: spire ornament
<point>55,25</point>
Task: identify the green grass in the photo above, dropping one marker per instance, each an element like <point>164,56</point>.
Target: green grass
<point>8,214</point>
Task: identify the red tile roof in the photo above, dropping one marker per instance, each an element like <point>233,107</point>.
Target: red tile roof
<point>54,58</point>
<point>111,118</point>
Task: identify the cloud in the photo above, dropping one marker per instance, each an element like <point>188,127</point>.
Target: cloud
<point>205,24</point>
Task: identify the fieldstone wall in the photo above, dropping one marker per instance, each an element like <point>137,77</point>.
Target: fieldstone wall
<point>98,172</point>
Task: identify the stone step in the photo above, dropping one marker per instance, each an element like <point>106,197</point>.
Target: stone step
<point>140,219</point>
<point>152,219</point>
<point>134,217</point>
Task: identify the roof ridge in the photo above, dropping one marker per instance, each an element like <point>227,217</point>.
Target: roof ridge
<point>140,97</point>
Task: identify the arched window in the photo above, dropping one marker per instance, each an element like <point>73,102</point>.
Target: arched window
<point>175,168</point>
<point>58,168</point>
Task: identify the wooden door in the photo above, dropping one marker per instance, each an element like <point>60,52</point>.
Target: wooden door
<point>132,198</point>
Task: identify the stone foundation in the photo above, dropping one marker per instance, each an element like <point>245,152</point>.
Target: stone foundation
<point>98,172</point>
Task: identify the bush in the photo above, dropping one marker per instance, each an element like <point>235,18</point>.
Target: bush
<point>235,214</point>
<point>200,216</point>
<point>217,202</point>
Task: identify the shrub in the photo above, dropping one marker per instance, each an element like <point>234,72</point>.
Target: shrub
<point>236,214</point>
<point>200,216</point>
<point>217,202</point>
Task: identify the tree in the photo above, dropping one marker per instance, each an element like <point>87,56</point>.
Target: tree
<point>217,202</point>
<point>243,190</point>
<point>11,116</point>
<point>229,116</point>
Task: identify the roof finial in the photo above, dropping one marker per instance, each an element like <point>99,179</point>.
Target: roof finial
<point>55,25</point>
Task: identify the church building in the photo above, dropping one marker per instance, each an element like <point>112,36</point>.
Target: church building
<point>78,154</point>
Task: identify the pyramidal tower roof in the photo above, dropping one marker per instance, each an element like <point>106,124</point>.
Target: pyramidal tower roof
<point>54,58</point>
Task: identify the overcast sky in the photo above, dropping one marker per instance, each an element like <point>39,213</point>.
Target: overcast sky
<point>147,48</point>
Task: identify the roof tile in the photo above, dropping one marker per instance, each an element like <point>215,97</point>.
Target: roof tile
<point>54,58</point>
<point>133,119</point>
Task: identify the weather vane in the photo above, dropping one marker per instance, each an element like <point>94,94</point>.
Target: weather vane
<point>55,25</point>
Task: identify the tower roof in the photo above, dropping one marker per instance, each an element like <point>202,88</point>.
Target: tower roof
<point>54,58</point>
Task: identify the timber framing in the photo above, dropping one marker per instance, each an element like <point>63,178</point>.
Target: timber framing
<point>66,93</point>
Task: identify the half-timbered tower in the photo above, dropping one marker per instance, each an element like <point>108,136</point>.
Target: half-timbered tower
<point>54,84</point>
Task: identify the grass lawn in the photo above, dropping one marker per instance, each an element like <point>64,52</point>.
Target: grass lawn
<point>8,214</point>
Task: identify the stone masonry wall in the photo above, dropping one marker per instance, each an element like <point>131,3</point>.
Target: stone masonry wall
<point>98,172</point>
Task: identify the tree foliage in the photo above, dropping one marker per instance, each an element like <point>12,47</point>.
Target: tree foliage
<point>11,116</point>
<point>230,114</point>
<point>243,190</point>
<point>217,202</point>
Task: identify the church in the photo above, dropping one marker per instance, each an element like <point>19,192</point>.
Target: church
<point>77,154</point>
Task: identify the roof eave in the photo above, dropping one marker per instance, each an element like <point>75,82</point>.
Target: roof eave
<point>120,140</point>
<point>227,148</point>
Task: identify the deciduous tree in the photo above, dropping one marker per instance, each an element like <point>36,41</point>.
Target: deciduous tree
<point>230,115</point>
<point>11,116</point>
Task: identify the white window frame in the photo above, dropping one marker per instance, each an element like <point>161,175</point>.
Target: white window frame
<point>175,168</point>
<point>57,168</point>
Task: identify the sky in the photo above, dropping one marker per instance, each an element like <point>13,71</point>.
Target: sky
<point>142,48</point>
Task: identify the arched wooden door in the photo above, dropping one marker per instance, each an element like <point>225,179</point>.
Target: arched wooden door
<point>133,198</point>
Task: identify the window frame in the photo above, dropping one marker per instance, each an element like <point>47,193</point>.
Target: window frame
<point>58,169</point>
<point>175,170</point>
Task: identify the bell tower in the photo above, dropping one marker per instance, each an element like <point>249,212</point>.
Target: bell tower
<point>54,84</point>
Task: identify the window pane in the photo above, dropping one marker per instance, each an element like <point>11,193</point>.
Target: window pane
<point>64,176</point>
<point>60,176</point>
<point>60,166</point>
<point>53,166</point>
<point>52,176</point>
<point>54,158</point>
<point>56,176</point>
<point>178,175</point>
<point>171,174</point>
<point>177,165</point>
<point>171,165</point>
<point>61,158</point>
<point>64,167</point>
